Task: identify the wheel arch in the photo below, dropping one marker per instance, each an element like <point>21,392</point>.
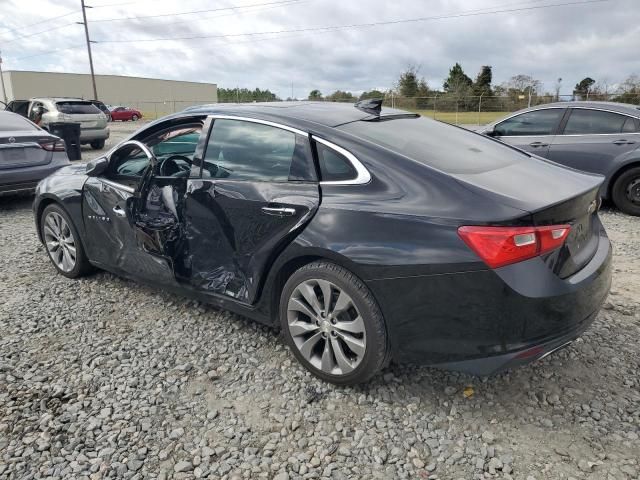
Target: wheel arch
<point>282,270</point>
<point>43,204</point>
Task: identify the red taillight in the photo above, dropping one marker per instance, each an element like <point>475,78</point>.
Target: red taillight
<point>52,145</point>
<point>500,246</point>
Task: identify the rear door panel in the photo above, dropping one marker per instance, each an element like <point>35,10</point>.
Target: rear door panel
<point>592,152</point>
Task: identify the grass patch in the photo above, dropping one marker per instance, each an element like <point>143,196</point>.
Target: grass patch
<point>464,118</point>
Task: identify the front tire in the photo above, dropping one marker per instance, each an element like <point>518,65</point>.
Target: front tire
<point>97,144</point>
<point>333,325</point>
<point>134,118</point>
<point>62,242</point>
<point>626,191</point>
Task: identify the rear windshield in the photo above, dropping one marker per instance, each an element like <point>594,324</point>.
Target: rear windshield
<point>77,107</point>
<point>13,123</point>
<point>441,146</point>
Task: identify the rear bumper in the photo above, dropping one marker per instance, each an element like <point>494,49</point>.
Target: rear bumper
<point>94,134</point>
<point>25,179</point>
<point>484,321</point>
<point>535,351</point>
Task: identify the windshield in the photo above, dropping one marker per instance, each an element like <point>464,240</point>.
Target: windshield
<point>12,123</point>
<point>77,107</point>
<point>441,146</point>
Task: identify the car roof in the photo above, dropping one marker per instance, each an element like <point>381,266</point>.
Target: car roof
<point>329,114</point>
<point>61,99</point>
<point>626,108</point>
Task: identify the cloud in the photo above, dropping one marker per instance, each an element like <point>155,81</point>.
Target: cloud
<point>597,40</point>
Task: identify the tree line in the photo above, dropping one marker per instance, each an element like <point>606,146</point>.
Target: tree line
<point>460,91</point>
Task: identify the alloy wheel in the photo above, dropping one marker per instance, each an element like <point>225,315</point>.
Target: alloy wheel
<point>326,327</point>
<point>59,241</point>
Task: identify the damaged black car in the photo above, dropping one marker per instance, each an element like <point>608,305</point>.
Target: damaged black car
<point>365,234</point>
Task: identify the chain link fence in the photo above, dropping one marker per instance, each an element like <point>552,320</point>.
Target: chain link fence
<point>479,110</point>
<point>469,110</point>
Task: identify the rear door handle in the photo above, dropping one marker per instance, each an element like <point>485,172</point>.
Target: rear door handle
<point>279,211</point>
<point>623,142</point>
<point>119,211</point>
<point>538,144</point>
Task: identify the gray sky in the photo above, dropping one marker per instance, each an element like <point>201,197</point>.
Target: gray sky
<point>573,41</point>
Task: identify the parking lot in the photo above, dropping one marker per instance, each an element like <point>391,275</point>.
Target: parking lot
<point>105,378</point>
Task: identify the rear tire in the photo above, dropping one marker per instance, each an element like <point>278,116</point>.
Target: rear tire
<point>343,341</point>
<point>626,192</point>
<point>97,144</point>
<point>62,242</point>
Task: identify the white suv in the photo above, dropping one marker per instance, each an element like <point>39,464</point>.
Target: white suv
<point>45,110</point>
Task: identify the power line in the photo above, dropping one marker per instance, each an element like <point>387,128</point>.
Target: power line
<point>357,25</point>
<point>40,32</point>
<point>41,21</point>
<point>191,12</point>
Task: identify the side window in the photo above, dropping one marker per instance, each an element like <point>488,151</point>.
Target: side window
<point>630,125</point>
<point>127,164</point>
<point>586,122</point>
<point>333,165</point>
<point>174,148</point>
<point>240,150</point>
<point>537,122</point>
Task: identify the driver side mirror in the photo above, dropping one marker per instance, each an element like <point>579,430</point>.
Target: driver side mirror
<point>491,132</point>
<point>97,166</point>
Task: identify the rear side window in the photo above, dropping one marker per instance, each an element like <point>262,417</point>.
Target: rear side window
<point>333,165</point>
<point>586,122</point>
<point>12,123</point>
<point>630,126</point>
<point>240,150</point>
<point>77,108</point>
<point>538,122</point>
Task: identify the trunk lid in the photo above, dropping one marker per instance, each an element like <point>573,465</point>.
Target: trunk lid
<point>552,195</point>
<point>22,149</point>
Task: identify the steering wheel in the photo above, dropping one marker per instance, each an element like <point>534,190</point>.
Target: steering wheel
<point>171,168</point>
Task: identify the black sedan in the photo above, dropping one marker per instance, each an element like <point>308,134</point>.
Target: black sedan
<point>27,154</point>
<point>366,234</point>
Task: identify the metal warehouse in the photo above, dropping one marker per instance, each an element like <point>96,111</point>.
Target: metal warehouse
<point>151,95</point>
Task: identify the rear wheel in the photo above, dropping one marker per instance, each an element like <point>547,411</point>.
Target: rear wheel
<point>333,324</point>
<point>97,144</point>
<point>62,242</point>
<point>626,191</point>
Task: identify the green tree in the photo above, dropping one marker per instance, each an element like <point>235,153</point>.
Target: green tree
<point>315,95</point>
<point>583,87</point>
<point>243,95</point>
<point>340,96</point>
<point>408,83</point>
<point>457,83</point>
<point>372,94</point>
<point>482,85</point>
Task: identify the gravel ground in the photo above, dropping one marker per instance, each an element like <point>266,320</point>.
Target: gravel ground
<point>104,378</point>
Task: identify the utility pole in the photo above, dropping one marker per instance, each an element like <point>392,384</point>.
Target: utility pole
<point>86,33</point>
<point>4,91</point>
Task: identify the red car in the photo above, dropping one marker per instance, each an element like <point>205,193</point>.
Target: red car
<point>124,114</point>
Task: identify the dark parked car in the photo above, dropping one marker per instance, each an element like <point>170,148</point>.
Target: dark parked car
<point>365,234</point>
<point>103,108</point>
<point>27,154</point>
<point>125,114</point>
<point>597,137</point>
